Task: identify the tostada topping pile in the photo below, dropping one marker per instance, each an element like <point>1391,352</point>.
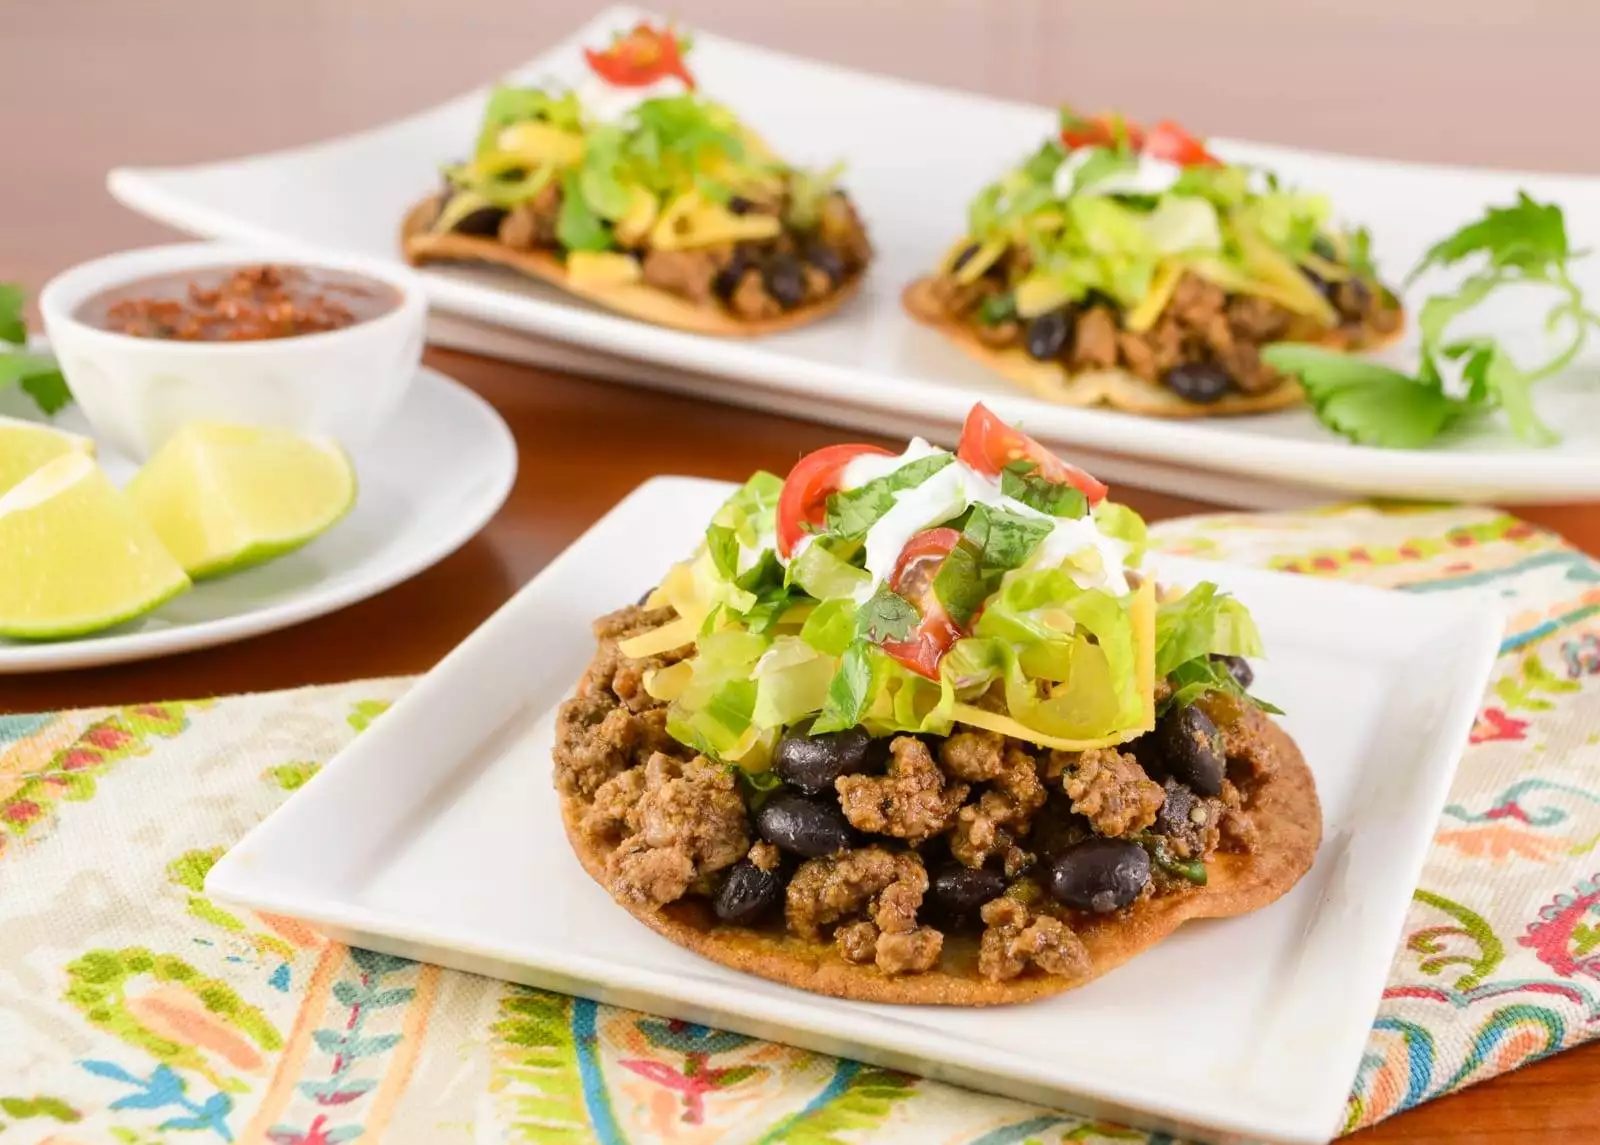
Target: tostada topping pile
<point>897,699</point>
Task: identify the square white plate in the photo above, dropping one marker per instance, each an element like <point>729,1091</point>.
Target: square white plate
<point>915,157</point>
<point>437,836</point>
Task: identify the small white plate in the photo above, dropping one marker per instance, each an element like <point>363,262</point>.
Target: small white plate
<point>915,156</point>
<point>434,476</point>
<point>437,836</point>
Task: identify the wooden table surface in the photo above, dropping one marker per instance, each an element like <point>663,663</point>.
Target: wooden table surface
<point>89,84</point>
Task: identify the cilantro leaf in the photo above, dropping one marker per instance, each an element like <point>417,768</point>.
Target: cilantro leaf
<point>847,693</point>
<point>48,389</point>
<point>886,616</point>
<point>993,542</point>
<point>1041,167</point>
<point>12,327</point>
<point>37,375</point>
<point>1367,402</point>
<point>1492,375</point>
<point>852,512</point>
<point>1358,254</point>
<point>1021,482</point>
<point>1528,235</point>
<point>1194,678</point>
<point>1004,538</point>
<point>960,584</point>
<point>997,308</point>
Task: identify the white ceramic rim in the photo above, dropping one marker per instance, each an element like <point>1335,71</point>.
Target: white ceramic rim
<point>64,293</point>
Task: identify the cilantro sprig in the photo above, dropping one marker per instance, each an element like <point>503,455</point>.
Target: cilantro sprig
<point>1457,379</point>
<point>35,374</point>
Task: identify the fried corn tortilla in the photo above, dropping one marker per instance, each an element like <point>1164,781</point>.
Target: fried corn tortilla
<point>1115,388</point>
<point>1284,808</point>
<point>635,299</point>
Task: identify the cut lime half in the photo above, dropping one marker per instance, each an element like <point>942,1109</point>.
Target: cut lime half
<point>25,446</point>
<point>75,557</point>
<point>224,498</point>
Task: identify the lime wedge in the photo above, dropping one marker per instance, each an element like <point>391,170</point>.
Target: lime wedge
<point>26,445</point>
<point>223,498</point>
<point>75,556</point>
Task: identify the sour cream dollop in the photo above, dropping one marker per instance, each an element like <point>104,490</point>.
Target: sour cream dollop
<point>606,102</point>
<point>947,494</point>
<point>1147,175</point>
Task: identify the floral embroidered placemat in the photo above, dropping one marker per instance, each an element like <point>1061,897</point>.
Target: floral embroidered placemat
<point>135,1011</point>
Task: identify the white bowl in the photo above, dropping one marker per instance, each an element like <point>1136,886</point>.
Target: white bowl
<point>137,392</point>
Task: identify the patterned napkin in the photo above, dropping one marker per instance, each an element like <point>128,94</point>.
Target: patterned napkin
<point>134,1011</point>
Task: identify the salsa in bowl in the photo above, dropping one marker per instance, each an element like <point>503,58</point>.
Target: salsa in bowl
<point>151,340</point>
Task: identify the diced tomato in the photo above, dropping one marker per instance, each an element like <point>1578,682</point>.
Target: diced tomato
<point>640,58</point>
<point>913,579</point>
<point>804,500</point>
<point>1168,141</point>
<point>1100,131</point>
<point>989,445</point>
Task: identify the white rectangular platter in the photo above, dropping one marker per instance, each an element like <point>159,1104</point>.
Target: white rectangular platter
<point>437,836</point>
<point>915,156</point>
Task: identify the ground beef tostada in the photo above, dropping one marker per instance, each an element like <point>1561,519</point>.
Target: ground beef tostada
<point>914,729</point>
<point>638,193</point>
<point>1134,269</point>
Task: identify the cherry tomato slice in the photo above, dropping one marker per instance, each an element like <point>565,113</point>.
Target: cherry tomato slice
<point>639,58</point>
<point>913,577</point>
<point>804,500</point>
<point>1101,131</point>
<point>1170,142</point>
<point>989,445</point>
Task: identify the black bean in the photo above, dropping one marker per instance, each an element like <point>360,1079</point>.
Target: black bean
<point>956,893</point>
<point>812,762</point>
<point>727,279</point>
<point>827,260</point>
<point>1327,289</point>
<point>739,205</point>
<point>1200,382</point>
<point>1239,668</point>
<point>1049,334</point>
<point>804,826</point>
<point>1173,818</point>
<point>748,894</point>
<point>964,257</point>
<point>483,221</point>
<point>1147,751</point>
<point>1100,875</point>
<point>785,281</point>
<point>1191,748</point>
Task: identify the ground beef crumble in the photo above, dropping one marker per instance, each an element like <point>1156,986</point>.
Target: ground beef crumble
<point>912,801</point>
<point>689,822</point>
<point>1201,325</point>
<point>676,822</point>
<point>819,259</point>
<point>1015,938</point>
<point>1109,789</point>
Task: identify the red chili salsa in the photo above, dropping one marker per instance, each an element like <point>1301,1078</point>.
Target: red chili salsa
<point>239,304</point>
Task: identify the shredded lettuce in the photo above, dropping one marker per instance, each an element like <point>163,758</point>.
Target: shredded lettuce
<point>1125,525</point>
<point>824,575</point>
<point>1203,622</point>
<point>1096,236</point>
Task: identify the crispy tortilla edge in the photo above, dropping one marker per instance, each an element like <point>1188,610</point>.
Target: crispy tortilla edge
<point>1284,808</point>
<point>1115,388</point>
<point>636,300</point>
